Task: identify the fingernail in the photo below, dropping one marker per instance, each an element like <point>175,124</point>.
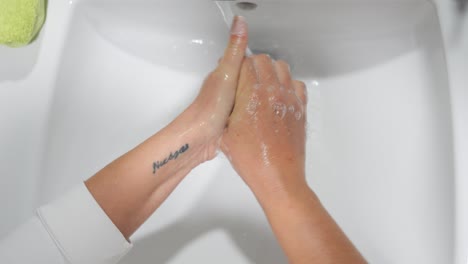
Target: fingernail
<point>239,26</point>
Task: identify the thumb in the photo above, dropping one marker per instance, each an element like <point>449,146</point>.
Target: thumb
<point>235,52</point>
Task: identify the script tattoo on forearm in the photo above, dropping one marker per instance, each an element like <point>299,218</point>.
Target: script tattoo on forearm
<point>173,156</point>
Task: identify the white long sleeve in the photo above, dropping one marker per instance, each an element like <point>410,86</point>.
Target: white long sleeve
<point>71,229</point>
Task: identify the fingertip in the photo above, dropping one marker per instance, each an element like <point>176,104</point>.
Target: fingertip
<point>237,45</point>
<point>301,91</point>
<point>284,74</point>
<point>239,26</point>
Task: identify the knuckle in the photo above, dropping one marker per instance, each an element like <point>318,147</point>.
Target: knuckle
<point>247,66</point>
<point>283,64</point>
<point>263,57</point>
<point>216,76</point>
<point>300,84</point>
<point>248,62</point>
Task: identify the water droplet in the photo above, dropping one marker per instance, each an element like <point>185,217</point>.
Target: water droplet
<point>265,158</point>
<point>291,109</point>
<point>197,41</point>
<point>252,105</point>
<point>298,116</point>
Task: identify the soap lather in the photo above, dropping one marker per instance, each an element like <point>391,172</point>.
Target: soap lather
<point>21,21</point>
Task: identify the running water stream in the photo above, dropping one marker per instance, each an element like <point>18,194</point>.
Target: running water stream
<point>228,15</point>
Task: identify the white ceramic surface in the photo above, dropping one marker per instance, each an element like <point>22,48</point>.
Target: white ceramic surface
<point>385,146</point>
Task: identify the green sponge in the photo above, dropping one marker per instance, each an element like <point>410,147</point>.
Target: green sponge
<point>20,21</point>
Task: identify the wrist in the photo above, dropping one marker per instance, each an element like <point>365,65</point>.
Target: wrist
<point>193,129</point>
<point>273,190</point>
<point>293,201</point>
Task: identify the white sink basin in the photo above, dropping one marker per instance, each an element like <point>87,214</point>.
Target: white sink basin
<point>380,142</point>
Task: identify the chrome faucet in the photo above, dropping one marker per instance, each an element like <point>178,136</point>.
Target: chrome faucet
<point>462,5</point>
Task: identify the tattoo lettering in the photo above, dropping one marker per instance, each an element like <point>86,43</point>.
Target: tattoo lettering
<point>158,164</point>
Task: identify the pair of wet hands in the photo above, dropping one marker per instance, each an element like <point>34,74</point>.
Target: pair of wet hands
<point>255,112</point>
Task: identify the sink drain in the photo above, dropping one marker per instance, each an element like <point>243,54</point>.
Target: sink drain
<point>246,6</point>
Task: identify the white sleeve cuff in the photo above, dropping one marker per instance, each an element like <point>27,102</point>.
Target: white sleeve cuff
<point>82,230</point>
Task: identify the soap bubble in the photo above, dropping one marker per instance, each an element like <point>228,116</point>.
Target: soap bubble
<point>298,116</point>
<point>280,109</point>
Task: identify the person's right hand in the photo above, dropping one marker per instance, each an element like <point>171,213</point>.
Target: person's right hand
<point>265,136</point>
<point>265,142</point>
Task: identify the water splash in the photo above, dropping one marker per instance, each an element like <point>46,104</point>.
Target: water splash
<point>314,111</point>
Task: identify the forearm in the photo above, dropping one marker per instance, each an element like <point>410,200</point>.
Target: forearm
<point>305,230</point>
<point>132,187</point>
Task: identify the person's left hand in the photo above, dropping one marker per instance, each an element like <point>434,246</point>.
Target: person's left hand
<point>205,119</point>
<point>132,187</point>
